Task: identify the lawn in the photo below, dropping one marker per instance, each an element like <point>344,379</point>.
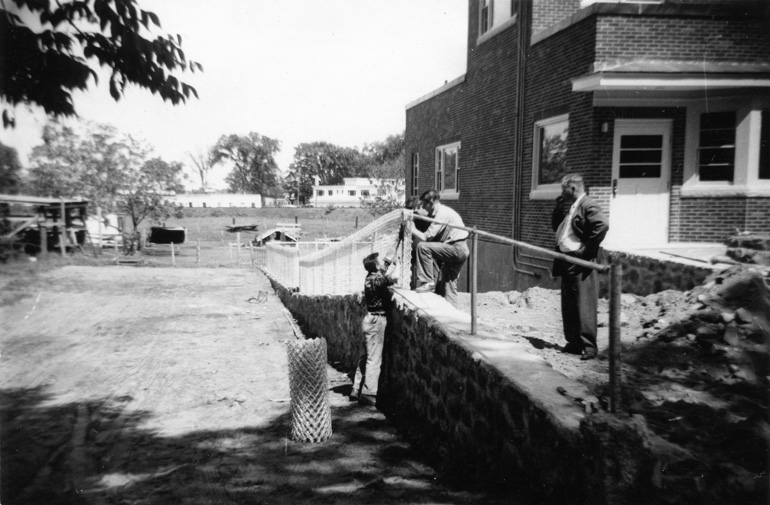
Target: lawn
<point>208,240</point>
<point>209,225</point>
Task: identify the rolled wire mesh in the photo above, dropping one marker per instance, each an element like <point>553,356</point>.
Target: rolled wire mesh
<point>311,419</point>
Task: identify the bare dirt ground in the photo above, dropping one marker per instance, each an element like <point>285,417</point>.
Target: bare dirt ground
<point>695,368</point>
<point>125,385</point>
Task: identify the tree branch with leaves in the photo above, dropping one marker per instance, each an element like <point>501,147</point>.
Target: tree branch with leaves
<point>49,49</point>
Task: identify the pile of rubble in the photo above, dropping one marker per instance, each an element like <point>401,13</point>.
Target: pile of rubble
<point>699,376</point>
<point>747,247</point>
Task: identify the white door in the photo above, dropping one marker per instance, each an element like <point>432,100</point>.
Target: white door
<point>641,172</point>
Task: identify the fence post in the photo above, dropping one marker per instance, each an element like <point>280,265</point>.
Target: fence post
<point>474,277</point>
<point>238,241</point>
<point>63,229</point>
<point>616,278</point>
<point>198,251</point>
<point>43,241</point>
<point>173,258</point>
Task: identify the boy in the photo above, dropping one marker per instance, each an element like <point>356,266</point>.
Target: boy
<point>375,293</point>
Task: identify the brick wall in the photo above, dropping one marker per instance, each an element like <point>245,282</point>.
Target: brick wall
<point>480,114</point>
<point>550,66</point>
<point>714,219</point>
<point>549,12</point>
<point>686,38</point>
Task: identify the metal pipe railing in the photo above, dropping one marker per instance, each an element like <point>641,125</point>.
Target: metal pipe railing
<point>616,276</point>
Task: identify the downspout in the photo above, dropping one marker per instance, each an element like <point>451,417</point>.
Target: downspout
<point>522,13</point>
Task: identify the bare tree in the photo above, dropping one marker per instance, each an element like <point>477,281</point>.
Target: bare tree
<point>203,162</point>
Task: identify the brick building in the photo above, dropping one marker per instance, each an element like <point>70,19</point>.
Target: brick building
<point>663,107</point>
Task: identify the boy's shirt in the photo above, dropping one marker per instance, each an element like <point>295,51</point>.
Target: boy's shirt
<point>376,291</point>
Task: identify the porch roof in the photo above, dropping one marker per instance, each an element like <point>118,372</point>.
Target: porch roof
<point>672,75</point>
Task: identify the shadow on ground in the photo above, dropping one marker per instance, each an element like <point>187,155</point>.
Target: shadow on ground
<point>98,452</point>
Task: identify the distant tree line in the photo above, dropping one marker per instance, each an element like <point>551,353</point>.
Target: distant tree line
<point>117,173</point>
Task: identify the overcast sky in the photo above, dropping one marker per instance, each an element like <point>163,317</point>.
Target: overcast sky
<point>340,71</point>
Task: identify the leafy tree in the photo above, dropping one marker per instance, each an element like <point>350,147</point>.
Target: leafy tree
<point>386,159</point>
<point>10,170</point>
<point>386,165</point>
<point>203,163</point>
<point>390,196</point>
<point>111,170</point>
<point>253,158</point>
<point>328,162</point>
<point>50,49</point>
<point>95,163</point>
<point>146,189</point>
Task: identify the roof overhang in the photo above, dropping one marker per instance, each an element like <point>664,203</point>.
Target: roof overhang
<point>622,81</point>
<point>41,200</point>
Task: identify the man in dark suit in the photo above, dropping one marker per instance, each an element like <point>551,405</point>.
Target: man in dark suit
<point>580,226</point>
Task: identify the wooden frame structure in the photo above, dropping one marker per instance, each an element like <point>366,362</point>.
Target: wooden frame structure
<point>62,220</point>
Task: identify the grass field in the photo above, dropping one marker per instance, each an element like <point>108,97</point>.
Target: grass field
<point>208,242</point>
<point>209,225</point>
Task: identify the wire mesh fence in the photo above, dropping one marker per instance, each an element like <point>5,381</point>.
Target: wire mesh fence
<point>337,267</point>
<point>190,254</point>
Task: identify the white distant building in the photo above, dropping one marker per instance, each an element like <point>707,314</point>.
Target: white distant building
<point>213,200</point>
<point>352,190</point>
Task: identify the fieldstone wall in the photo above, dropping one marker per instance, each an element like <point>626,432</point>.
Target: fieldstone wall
<point>477,424</point>
<point>480,415</point>
<point>643,275</point>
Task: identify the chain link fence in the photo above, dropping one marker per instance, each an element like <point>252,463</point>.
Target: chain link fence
<point>337,267</point>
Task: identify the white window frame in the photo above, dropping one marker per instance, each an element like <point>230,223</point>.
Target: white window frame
<point>447,193</point>
<point>351,192</point>
<point>415,173</point>
<point>497,22</point>
<point>748,129</point>
<point>543,191</point>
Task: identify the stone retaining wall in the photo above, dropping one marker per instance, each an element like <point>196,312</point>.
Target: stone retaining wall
<point>484,409</point>
<point>643,275</point>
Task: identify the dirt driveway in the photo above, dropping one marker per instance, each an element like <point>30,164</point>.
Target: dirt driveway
<point>123,385</point>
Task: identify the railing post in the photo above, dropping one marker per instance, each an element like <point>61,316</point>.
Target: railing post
<point>616,278</point>
<point>474,277</point>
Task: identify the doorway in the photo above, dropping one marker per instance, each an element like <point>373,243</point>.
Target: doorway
<point>641,175</point>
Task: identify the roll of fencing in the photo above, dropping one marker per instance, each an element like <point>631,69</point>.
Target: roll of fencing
<point>311,418</point>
